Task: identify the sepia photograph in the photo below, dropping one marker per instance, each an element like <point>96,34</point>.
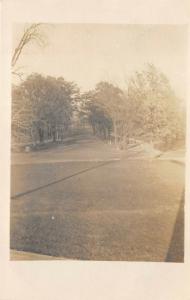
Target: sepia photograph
<point>98,142</point>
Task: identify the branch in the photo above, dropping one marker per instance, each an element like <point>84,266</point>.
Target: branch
<point>32,33</point>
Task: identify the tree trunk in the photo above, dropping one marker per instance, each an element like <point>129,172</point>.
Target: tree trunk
<point>115,131</point>
<point>41,134</point>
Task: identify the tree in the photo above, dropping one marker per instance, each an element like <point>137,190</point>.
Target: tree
<point>153,107</point>
<point>107,105</point>
<point>21,107</point>
<point>100,121</point>
<point>47,105</point>
<point>147,110</point>
<point>32,33</point>
<point>22,114</point>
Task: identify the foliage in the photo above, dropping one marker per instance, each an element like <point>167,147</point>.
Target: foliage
<point>42,104</point>
<point>104,105</point>
<point>148,109</point>
<point>154,111</point>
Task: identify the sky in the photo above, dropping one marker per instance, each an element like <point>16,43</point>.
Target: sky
<point>89,53</point>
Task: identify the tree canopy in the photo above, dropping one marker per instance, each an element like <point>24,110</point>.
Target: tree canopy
<point>41,103</point>
<point>147,109</point>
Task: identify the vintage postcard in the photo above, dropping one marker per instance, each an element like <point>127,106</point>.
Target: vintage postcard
<point>97,122</point>
<point>98,142</point>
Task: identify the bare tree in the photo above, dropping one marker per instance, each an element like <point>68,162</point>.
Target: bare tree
<point>21,109</point>
<point>33,33</point>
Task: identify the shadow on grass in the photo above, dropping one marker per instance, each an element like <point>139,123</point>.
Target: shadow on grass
<point>176,248</point>
<point>60,180</point>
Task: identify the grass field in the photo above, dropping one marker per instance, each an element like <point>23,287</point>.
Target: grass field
<point>77,208</point>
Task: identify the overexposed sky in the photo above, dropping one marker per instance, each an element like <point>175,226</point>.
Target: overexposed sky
<point>88,53</point>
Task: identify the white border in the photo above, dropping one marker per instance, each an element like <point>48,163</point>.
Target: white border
<point>86,280</point>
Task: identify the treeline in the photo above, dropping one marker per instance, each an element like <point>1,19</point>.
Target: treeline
<point>43,108</point>
<point>147,109</point>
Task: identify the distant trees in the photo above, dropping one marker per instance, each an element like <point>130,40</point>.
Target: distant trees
<point>147,109</point>
<point>104,105</point>
<point>42,108</point>
<point>109,98</point>
<point>97,117</point>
